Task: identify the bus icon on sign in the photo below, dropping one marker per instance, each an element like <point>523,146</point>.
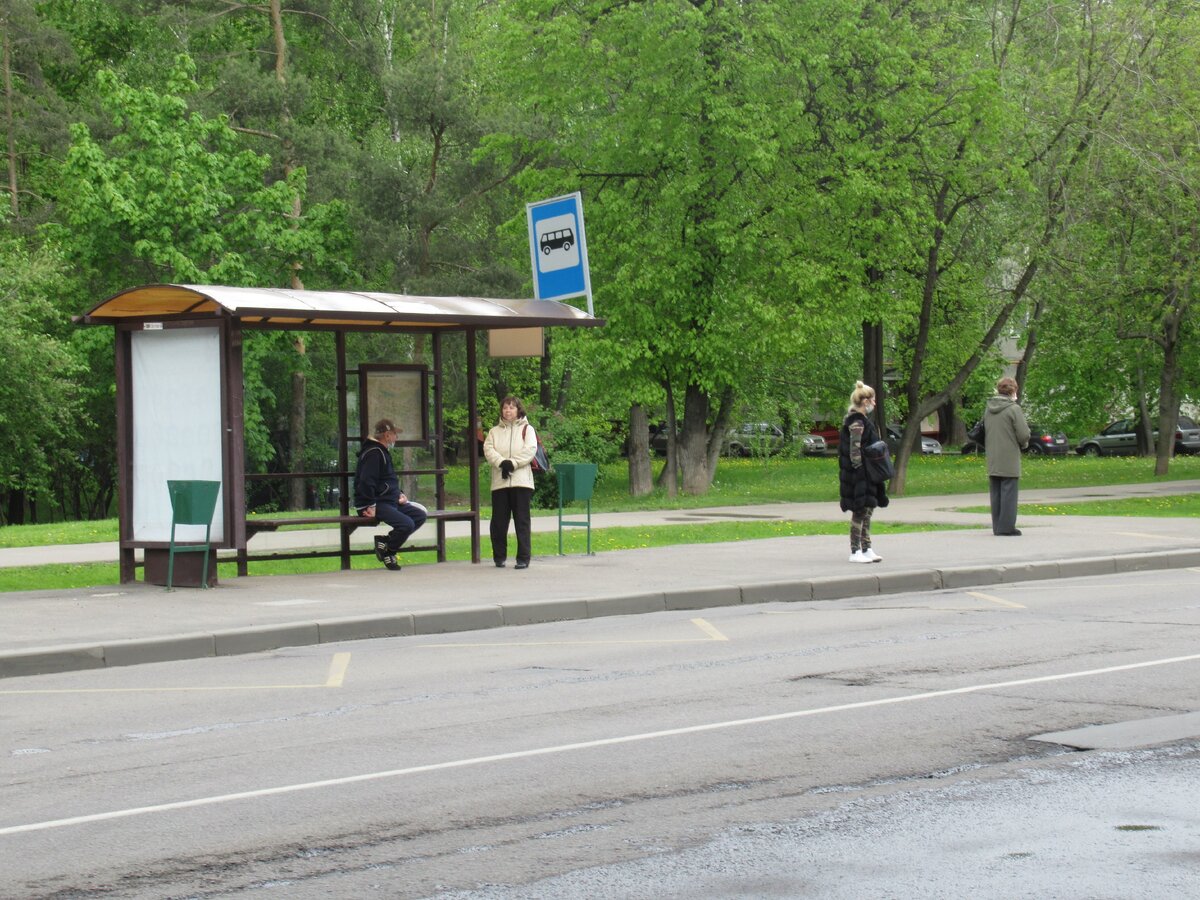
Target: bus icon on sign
<point>556,240</point>
<point>555,243</point>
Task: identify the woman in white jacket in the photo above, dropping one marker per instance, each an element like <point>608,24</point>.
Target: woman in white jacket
<point>509,448</point>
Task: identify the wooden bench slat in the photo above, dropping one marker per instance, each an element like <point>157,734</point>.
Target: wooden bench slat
<point>253,526</point>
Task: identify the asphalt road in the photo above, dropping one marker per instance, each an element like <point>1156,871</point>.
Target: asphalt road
<point>873,747</point>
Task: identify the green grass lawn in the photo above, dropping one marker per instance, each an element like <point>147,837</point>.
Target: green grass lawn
<point>748,481</point>
<point>60,577</point>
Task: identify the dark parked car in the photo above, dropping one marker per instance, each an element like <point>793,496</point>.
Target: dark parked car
<point>1043,441</point>
<point>658,439</point>
<point>1120,438</point>
<point>928,445</point>
<point>1046,441</point>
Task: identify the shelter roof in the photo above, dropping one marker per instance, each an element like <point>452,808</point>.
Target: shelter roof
<point>348,310</point>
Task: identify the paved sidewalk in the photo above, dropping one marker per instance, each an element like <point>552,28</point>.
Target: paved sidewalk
<point>52,631</point>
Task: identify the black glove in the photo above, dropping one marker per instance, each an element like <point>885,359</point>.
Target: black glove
<point>506,468</point>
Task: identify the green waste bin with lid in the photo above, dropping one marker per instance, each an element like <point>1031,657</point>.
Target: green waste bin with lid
<point>575,482</point>
<point>192,503</point>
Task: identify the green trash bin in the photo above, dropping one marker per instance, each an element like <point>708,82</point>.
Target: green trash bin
<point>192,503</point>
<point>575,482</point>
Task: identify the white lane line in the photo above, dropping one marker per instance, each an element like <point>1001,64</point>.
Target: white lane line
<point>979,595</point>
<point>570,748</point>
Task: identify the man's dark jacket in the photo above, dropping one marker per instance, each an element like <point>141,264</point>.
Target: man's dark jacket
<point>375,477</point>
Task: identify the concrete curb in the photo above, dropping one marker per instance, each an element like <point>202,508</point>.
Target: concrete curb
<point>170,648</point>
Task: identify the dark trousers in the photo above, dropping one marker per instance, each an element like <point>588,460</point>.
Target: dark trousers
<point>510,503</point>
<point>1004,503</point>
<point>404,521</point>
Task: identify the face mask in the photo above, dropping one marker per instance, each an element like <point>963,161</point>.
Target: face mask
<point>869,408</point>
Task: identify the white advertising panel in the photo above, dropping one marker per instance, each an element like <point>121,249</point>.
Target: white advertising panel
<point>176,408</point>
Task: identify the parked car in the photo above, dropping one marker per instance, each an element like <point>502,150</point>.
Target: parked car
<point>1120,438</point>
<point>928,445</point>
<point>1187,435</point>
<point>658,439</point>
<point>828,432</point>
<point>1045,441</point>
<point>813,445</point>
<point>1042,442</point>
<point>754,439</point>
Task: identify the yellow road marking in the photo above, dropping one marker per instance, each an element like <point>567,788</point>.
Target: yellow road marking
<point>337,670</point>
<point>709,630</point>
<point>1153,537</point>
<point>337,674</point>
<point>982,596</point>
<point>713,635</point>
<point>921,608</point>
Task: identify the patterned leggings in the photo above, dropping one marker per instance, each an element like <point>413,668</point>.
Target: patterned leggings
<point>860,529</point>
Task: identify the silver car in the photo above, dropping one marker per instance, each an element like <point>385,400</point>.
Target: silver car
<point>813,445</point>
<point>754,439</point>
<point>929,445</point>
<point>1120,438</point>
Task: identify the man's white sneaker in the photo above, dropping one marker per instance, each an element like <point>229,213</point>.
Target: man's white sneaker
<point>858,557</point>
<point>870,555</point>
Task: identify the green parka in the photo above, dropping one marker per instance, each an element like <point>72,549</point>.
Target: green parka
<point>1006,434</point>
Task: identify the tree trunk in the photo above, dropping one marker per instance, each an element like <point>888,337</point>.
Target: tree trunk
<point>872,337</point>
<point>411,484</point>
<point>1168,395</point>
<point>564,390</point>
<point>6,62</point>
<point>641,475</point>
<point>297,424</point>
<point>1144,429</point>
<point>693,441</point>
<point>1031,342</point>
<point>15,508</point>
<point>670,473</point>
<point>499,385</point>
<point>717,437</point>
<point>545,389</point>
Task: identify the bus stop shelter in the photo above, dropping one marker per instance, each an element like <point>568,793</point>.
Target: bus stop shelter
<point>179,395</point>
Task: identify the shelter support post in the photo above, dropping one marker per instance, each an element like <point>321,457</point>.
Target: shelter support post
<point>472,442</point>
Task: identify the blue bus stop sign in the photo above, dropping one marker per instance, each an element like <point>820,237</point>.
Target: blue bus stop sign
<point>558,249</point>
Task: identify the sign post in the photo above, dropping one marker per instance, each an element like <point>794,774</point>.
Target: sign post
<point>558,249</point>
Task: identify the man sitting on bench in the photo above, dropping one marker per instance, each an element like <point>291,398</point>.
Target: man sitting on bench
<point>377,493</point>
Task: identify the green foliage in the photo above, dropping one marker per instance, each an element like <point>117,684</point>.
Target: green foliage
<point>172,196</point>
<point>759,180</point>
<point>41,414</point>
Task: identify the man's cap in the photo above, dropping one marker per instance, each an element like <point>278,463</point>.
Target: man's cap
<point>385,425</point>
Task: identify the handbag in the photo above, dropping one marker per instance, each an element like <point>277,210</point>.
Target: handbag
<point>977,434</point>
<point>540,462</point>
<point>877,460</point>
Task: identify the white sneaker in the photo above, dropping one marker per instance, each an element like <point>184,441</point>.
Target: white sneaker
<point>870,555</point>
<point>858,557</point>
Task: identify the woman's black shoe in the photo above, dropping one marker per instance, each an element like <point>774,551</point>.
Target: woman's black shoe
<point>499,564</point>
<point>521,565</point>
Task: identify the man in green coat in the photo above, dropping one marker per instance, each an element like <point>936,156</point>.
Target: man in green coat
<point>1006,434</point>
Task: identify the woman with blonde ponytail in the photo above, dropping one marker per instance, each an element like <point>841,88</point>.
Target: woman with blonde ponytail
<point>860,496</point>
